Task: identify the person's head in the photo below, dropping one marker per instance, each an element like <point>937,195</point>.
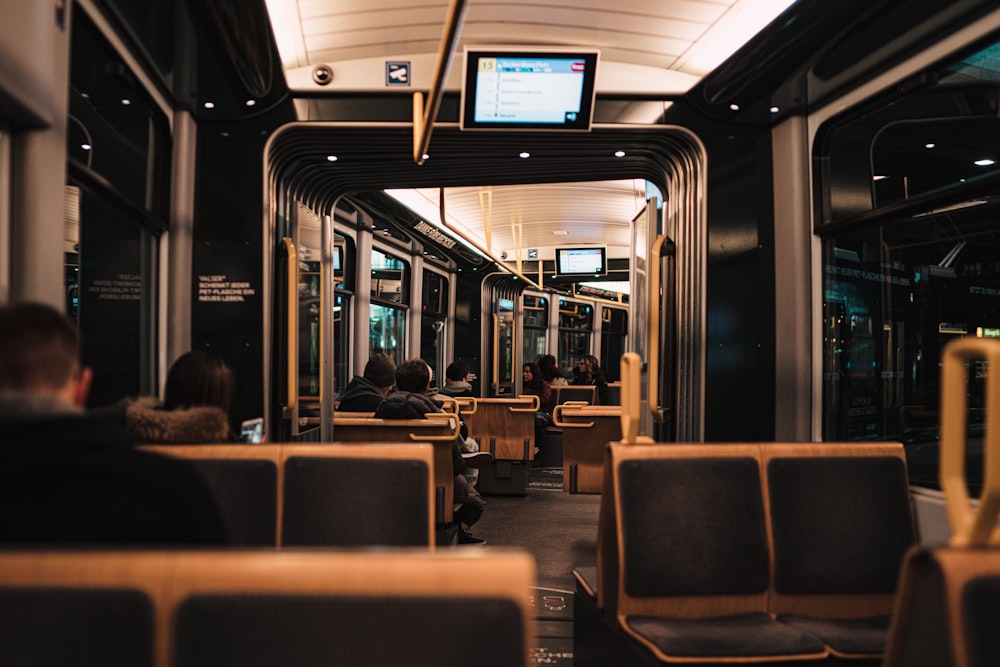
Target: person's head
<point>413,375</point>
<point>531,375</point>
<point>456,372</point>
<point>39,353</point>
<point>589,363</point>
<point>198,379</point>
<point>381,372</point>
<point>548,366</point>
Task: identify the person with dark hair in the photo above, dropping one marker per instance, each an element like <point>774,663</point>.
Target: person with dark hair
<point>195,406</point>
<point>550,371</point>
<point>72,478</point>
<point>410,401</point>
<point>456,380</point>
<point>589,372</point>
<point>534,384</point>
<point>365,392</point>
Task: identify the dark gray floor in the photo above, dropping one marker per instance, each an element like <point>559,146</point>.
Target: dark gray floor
<point>560,530</point>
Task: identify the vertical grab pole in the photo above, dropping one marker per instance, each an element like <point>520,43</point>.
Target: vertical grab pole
<point>654,326</point>
<point>292,316</point>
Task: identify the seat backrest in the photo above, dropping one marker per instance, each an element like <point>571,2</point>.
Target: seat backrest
<point>504,426</point>
<point>358,495</point>
<point>193,609</point>
<point>243,480</point>
<point>587,394</point>
<point>700,510</point>
<point>321,495</point>
<point>842,521</point>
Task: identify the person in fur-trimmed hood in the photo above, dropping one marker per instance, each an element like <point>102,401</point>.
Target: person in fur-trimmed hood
<point>195,407</point>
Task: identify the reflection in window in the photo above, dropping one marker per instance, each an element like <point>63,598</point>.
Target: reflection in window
<point>389,278</point>
<point>536,321</point>
<point>386,331</point>
<point>434,305</point>
<point>576,325</point>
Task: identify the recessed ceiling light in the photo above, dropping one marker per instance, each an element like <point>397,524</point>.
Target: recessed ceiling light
<point>209,105</point>
<point>878,178</point>
<point>251,103</point>
<point>86,147</point>
<point>332,158</point>
<point>126,101</point>
<point>775,109</point>
<point>619,153</point>
<point>524,154</point>
<point>930,145</point>
<point>985,162</point>
<point>734,107</point>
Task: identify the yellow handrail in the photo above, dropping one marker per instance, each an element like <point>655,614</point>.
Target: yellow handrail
<point>448,404</point>
<point>293,326</point>
<point>969,527</point>
<point>439,416</point>
<point>465,403</point>
<point>535,402</point>
<point>557,417</point>
<point>654,326</point>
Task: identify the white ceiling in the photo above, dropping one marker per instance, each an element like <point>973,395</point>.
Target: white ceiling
<point>657,47</point>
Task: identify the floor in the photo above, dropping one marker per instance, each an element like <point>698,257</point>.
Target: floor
<point>560,530</point>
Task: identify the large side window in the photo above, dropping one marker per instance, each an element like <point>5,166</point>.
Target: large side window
<point>118,147</point>
<point>389,294</point>
<point>911,256</point>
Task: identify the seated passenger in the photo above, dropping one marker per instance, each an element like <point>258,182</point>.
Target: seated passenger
<point>589,372</point>
<point>365,392</point>
<point>195,407</point>
<point>457,380</point>
<point>410,401</point>
<point>550,371</point>
<point>533,384</point>
<point>71,478</point>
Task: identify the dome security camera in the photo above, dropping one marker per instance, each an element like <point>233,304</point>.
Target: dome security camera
<point>322,74</point>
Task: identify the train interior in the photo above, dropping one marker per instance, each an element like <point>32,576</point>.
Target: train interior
<point>784,209</point>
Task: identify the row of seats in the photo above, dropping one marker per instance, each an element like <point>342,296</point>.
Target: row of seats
<point>722,553</point>
<point>322,494</point>
<point>265,608</point>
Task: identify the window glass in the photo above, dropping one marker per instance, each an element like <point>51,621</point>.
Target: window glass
<point>387,331</point>
<point>389,278</point>
<point>903,281</point>
<point>576,324</point>
<point>536,320</point>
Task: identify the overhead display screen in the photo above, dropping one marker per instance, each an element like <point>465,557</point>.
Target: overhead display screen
<point>528,90</point>
<point>581,261</point>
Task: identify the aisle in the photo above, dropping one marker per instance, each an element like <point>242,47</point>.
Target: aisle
<point>560,530</point>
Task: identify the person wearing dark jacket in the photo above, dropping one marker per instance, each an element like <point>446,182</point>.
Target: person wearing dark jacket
<point>410,401</point>
<point>456,381</point>
<point>71,478</point>
<point>365,392</point>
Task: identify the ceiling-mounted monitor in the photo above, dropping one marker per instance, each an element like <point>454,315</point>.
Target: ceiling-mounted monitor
<point>528,89</point>
<point>592,261</point>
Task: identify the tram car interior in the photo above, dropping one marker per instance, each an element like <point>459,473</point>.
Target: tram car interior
<point>759,239</point>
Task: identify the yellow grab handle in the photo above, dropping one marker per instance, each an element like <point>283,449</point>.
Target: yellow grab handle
<point>439,416</point>
<point>557,416</point>
<point>535,402</point>
<point>969,527</point>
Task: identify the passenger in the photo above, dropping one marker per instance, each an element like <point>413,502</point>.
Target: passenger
<point>551,372</point>
<point>456,380</point>
<point>589,373</point>
<point>410,401</point>
<point>74,478</point>
<point>195,406</point>
<point>533,384</point>
<point>457,385</point>
<point>365,392</point>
